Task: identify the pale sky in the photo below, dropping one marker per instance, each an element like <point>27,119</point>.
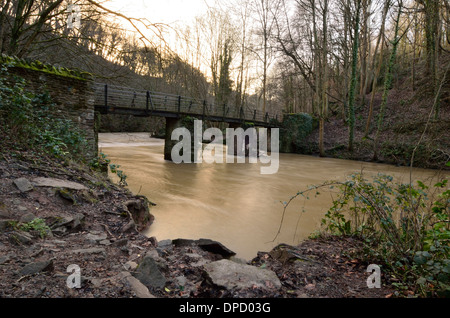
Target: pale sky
<point>160,11</point>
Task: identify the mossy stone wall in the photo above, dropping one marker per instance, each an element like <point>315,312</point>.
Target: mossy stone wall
<point>293,132</point>
<point>74,97</point>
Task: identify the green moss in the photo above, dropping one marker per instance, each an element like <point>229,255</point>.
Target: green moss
<point>247,125</point>
<point>45,68</point>
<point>68,195</point>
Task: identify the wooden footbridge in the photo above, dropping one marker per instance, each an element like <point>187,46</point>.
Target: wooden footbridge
<point>113,99</point>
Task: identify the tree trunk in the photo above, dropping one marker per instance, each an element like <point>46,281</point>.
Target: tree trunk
<point>324,81</point>
<point>387,82</point>
<point>347,19</point>
<point>364,50</point>
<point>351,105</point>
<point>432,45</point>
<point>377,73</point>
<point>3,15</point>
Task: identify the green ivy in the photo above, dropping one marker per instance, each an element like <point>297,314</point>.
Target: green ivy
<point>37,225</point>
<point>295,128</point>
<point>32,121</point>
<point>122,176</point>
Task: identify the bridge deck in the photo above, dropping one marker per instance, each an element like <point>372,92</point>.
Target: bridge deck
<point>113,99</point>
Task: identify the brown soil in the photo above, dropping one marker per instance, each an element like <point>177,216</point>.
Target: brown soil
<point>330,270</point>
<point>321,268</point>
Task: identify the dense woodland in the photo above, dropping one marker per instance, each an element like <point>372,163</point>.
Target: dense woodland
<point>327,58</point>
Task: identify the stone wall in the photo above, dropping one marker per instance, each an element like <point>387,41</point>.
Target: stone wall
<point>73,96</point>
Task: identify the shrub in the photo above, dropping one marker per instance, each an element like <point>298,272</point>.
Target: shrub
<point>294,131</point>
<point>37,225</point>
<point>30,122</point>
<point>407,227</point>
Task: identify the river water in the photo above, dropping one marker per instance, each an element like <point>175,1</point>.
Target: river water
<point>233,203</point>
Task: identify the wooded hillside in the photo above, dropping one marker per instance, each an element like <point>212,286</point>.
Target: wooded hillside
<point>378,68</point>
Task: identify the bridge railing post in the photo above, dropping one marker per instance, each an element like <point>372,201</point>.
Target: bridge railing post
<point>204,107</point>
<point>147,101</point>
<point>106,98</point>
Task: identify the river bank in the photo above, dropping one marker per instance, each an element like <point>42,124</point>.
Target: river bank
<point>94,224</point>
<point>408,128</point>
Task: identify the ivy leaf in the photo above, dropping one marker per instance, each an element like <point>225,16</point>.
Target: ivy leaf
<point>422,281</point>
<point>422,185</point>
<point>421,258</point>
<point>446,269</point>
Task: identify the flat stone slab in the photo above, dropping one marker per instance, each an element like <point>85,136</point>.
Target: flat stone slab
<point>27,218</point>
<point>149,274</point>
<point>229,274</point>
<point>96,237</point>
<point>139,289</point>
<point>93,250</point>
<point>37,267</point>
<point>206,245</point>
<point>215,247</point>
<point>58,183</point>
<point>23,184</point>
<point>20,237</point>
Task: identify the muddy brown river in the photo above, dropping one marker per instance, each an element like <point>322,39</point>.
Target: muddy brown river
<point>233,203</point>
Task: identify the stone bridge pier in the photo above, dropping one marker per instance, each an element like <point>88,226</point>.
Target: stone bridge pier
<point>242,139</point>
<point>171,125</point>
<point>245,144</point>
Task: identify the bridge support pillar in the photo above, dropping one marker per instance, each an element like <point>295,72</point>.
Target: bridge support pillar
<point>269,140</point>
<point>171,125</point>
<point>194,134</point>
<point>232,150</point>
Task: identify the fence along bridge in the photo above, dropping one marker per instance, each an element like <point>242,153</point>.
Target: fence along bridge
<point>113,99</point>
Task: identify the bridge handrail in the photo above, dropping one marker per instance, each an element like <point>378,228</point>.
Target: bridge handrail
<point>109,95</point>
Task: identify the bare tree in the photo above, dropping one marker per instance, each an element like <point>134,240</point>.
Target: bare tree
<point>351,105</point>
<point>24,22</point>
<point>388,77</point>
<point>266,11</point>
<point>431,10</point>
<point>380,41</point>
<point>310,57</point>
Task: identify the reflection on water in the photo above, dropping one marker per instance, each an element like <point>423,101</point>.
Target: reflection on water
<point>233,203</point>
